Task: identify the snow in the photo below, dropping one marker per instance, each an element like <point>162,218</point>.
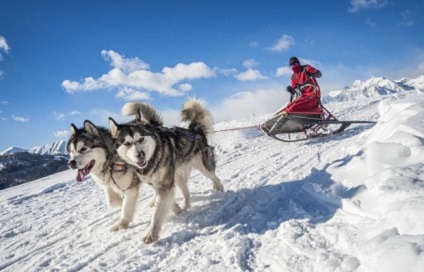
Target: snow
<point>353,202</point>
<point>55,148</point>
<point>12,150</point>
<point>375,86</point>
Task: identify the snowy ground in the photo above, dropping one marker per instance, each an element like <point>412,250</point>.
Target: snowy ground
<point>353,202</point>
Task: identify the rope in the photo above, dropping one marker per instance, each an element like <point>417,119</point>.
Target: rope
<point>233,129</point>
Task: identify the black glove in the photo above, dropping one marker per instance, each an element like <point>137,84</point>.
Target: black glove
<point>309,74</point>
<point>290,89</point>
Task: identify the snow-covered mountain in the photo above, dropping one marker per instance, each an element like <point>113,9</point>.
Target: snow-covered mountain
<point>417,83</point>
<point>55,148</point>
<point>374,87</point>
<point>12,150</point>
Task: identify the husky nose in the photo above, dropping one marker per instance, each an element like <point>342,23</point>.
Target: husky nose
<point>72,164</point>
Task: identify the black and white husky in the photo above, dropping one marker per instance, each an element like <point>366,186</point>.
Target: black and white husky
<point>165,157</point>
<point>91,152</point>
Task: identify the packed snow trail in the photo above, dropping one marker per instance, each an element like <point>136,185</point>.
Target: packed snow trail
<point>328,204</point>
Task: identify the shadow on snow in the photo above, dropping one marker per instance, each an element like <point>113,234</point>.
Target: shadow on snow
<point>257,210</point>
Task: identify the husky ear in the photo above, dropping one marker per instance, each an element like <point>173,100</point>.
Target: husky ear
<point>74,129</point>
<point>91,128</point>
<point>114,127</point>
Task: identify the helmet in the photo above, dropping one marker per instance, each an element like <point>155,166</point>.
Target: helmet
<point>294,60</point>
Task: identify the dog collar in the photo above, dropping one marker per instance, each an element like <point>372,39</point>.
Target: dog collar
<point>135,180</point>
<point>118,167</point>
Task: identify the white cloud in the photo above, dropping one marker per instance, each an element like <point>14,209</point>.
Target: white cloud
<point>141,79</point>
<point>311,62</point>
<point>421,67</point>
<point>5,48</point>
<point>406,18</point>
<point>62,134</point>
<point>3,45</point>
<point>370,23</point>
<point>73,113</point>
<point>283,44</point>
<point>59,116</point>
<point>253,44</point>
<point>283,71</point>
<point>357,5</point>
<point>250,75</point>
<point>20,118</point>
<point>185,87</point>
<point>131,94</point>
<point>244,104</point>
<point>250,63</point>
<point>228,72</point>
<point>119,61</point>
<point>4,102</point>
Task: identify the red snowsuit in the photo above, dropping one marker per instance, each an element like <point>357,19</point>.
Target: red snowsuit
<point>309,100</point>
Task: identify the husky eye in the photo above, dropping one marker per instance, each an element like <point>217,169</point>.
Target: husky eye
<point>127,144</point>
<point>141,140</point>
<point>83,149</point>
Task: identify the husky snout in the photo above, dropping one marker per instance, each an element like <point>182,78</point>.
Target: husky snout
<point>72,164</point>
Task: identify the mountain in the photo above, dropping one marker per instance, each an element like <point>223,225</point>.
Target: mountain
<point>56,148</point>
<point>417,83</point>
<point>374,87</point>
<point>352,202</point>
<point>22,167</point>
<point>19,165</point>
<point>12,150</point>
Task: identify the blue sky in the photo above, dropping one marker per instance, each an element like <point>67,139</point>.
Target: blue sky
<point>62,62</point>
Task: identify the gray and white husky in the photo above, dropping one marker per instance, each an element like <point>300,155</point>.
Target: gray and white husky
<point>91,152</point>
<point>165,157</point>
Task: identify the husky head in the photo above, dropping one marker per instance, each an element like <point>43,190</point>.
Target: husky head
<point>134,142</point>
<point>88,149</point>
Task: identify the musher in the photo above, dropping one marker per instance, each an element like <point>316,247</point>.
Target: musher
<point>304,77</point>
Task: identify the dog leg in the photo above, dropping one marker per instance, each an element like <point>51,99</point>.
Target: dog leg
<point>207,168</point>
<point>113,199</point>
<point>181,180</point>
<point>175,207</point>
<point>128,209</point>
<point>164,200</point>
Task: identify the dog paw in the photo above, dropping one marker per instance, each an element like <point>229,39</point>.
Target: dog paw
<point>150,238</point>
<point>218,187</point>
<point>119,225</point>
<point>185,207</point>
<point>151,203</point>
<point>176,208</point>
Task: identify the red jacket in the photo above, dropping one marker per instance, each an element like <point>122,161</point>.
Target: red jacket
<point>301,77</point>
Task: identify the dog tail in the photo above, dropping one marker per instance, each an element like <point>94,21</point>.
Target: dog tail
<point>143,112</point>
<point>197,115</point>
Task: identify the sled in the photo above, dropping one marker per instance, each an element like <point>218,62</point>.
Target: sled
<point>301,126</point>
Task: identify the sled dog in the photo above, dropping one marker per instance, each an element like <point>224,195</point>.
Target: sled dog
<point>91,152</point>
<point>166,156</point>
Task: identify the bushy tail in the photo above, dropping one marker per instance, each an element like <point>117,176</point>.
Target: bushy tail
<point>143,112</point>
<point>197,115</point>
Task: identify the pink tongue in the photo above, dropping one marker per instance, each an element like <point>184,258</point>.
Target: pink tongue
<point>81,174</point>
